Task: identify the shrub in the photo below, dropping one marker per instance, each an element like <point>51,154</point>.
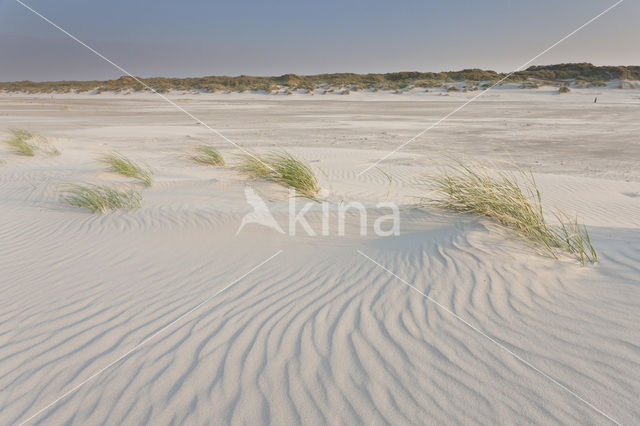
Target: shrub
<point>564,89</point>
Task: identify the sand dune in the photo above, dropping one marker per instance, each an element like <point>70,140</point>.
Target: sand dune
<point>319,333</point>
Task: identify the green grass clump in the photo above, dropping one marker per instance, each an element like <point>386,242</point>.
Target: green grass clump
<point>500,196</point>
<point>283,168</point>
<point>256,166</point>
<point>97,198</point>
<point>120,164</point>
<point>20,142</point>
<point>208,155</point>
<point>24,142</point>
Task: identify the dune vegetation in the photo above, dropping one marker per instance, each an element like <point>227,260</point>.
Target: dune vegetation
<point>515,202</point>
<point>579,72</point>
<point>20,142</point>
<point>118,163</point>
<point>208,155</point>
<point>283,168</point>
<point>24,142</point>
<point>100,198</point>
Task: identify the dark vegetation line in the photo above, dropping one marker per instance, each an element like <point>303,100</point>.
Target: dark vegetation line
<point>582,74</point>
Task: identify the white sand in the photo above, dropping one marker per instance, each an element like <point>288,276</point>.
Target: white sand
<point>319,334</point>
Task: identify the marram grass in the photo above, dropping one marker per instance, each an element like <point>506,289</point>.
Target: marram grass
<point>100,198</point>
<point>120,164</point>
<point>499,195</point>
<point>19,141</point>
<point>283,168</point>
<point>208,155</point>
<point>24,142</point>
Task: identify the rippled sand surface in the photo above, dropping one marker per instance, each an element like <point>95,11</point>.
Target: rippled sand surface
<point>165,316</point>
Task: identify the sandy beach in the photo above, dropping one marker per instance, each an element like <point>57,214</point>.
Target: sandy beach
<point>169,315</point>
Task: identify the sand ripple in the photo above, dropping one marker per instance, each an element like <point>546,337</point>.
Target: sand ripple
<point>319,336</point>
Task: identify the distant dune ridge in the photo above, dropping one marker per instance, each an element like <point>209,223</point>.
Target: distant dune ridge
<point>580,73</point>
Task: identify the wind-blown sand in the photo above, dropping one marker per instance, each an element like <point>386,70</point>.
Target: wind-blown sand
<point>319,333</point>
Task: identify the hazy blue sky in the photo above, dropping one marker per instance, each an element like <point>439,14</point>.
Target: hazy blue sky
<point>193,38</point>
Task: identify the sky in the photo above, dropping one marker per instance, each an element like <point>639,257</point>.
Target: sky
<point>192,38</point>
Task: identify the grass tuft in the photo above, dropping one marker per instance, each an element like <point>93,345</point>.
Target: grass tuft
<point>20,142</point>
<point>389,178</point>
<point>283,168</point>
<point>208,155</point>
<point>120,164</point>
<point>24,142</point>
<point>97,198</point>
<point>499,195</point>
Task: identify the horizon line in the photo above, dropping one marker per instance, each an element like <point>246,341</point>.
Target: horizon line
<point>327,73</point>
